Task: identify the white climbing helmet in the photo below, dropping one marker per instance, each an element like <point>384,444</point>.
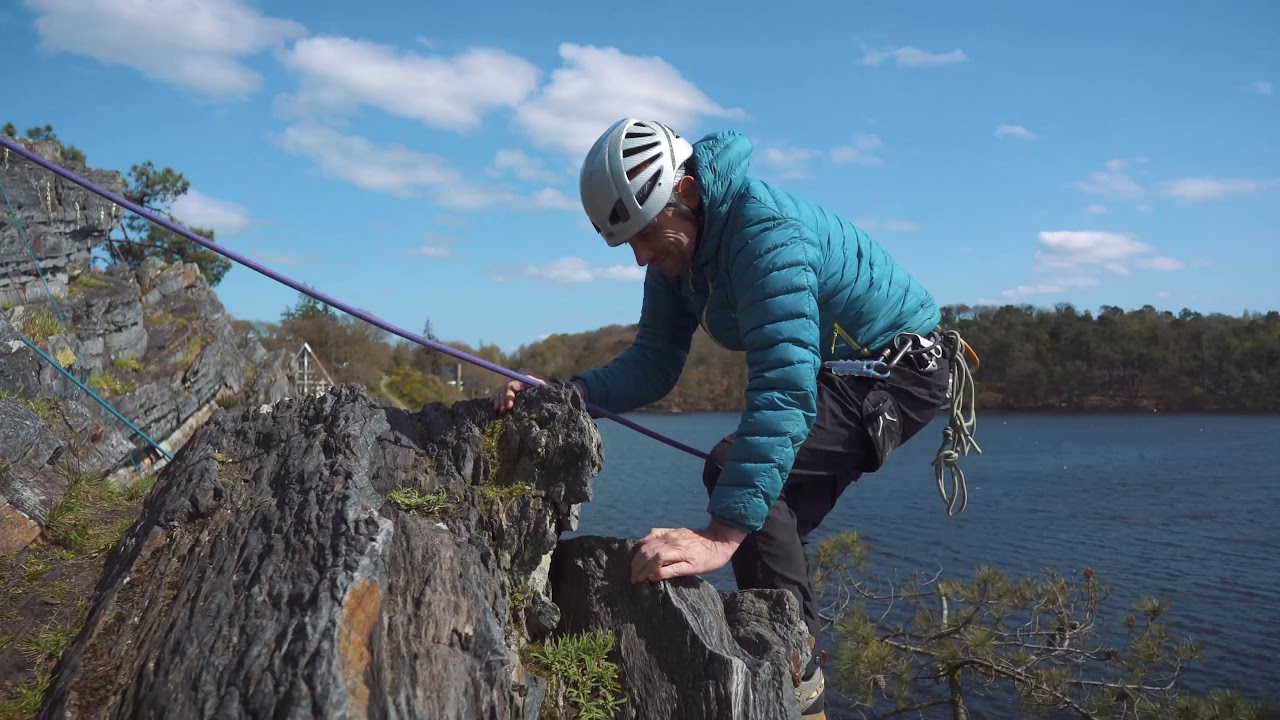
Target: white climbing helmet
<point>628,175</point>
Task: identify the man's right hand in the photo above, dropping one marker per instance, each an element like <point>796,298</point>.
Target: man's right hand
<point>504,397</point>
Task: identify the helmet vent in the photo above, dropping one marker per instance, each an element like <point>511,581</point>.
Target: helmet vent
<point>619,214</point>
<point>638,134</point>
<point>633,172</point>
<point>637,149</point>
<point>647,189</point>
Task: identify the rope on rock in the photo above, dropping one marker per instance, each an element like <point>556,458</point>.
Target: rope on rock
<point>332,302</point>
<point>23,234</point>
<point>962,421</point>
<point>94,395</point>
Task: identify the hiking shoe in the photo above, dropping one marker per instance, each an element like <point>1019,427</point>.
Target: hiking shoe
<point>812,696</point>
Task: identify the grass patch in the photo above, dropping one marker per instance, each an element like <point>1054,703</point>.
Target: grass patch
<point>582,682</point>
<point>132,365</point>
<point>192,351</point>
<point>417,503</point>
<point>160,318</point>
<point>76,520</point>
<point>90,281</point>
<point>46,589</point>
<point>39,326</point>
<point>108,384</point>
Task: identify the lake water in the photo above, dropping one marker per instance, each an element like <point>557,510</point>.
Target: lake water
<point>1181,507</point>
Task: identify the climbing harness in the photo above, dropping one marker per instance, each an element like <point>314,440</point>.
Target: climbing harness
<point>924,352</point>
<point>333,302</point>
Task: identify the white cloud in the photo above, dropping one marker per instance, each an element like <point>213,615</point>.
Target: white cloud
<point>1112,181</point>
<point>569,270</point>
<point>195,44</point>
<point>1014,131</point>
<point>595,87</point>
<point>862,151</point>
<point>914,57</point>
<point>1073,249</point>
<point>1206,188</point>
<point>785,162</point>
<point>197,210</point>
<point>1160,263</point>
<point>1068,259</point>
<point>340,74</point>
<point>1097,210</point>
<point>555,200</point>
<point>1262,87</point>
<point>522,165</point>
<point>388,168</point>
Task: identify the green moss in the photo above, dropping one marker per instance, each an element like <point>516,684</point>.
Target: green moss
<point>582,681</point>
<point>495,498</point>
<point>417,503</point>
<point>493,443</point>
<point>160,318</point>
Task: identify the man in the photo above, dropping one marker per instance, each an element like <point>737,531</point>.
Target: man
<point>792,285</point>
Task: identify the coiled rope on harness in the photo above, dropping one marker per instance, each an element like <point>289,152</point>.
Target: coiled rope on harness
<point>333,302</point>
<point>962,422</point>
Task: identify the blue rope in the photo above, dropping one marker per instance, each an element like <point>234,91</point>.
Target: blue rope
<point>94,395</point>
<point>332,302</point>
<point>23,234</point>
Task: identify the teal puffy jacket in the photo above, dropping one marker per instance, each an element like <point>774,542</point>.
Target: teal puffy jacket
<point>782,279</point>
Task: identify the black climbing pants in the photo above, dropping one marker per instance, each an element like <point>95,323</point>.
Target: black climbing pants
<point>859,421</point>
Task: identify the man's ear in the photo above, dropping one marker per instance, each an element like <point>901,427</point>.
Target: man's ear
<point>688,191</point>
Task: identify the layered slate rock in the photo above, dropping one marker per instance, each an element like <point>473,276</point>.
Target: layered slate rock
<point>334,556</point>
<point>153,341</point>
<point>271,576</point>
<point>62,222</point>
<point>684,649</point>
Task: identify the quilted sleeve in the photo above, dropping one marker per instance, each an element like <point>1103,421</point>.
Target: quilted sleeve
<point>775,280</point>
<point>649,368</point>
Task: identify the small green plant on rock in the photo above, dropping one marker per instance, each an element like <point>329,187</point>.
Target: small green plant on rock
<point>582,681</point>
<point>39,326</point>
<point>132,365</point>
<point>418,503</point>
<point>111,385</point>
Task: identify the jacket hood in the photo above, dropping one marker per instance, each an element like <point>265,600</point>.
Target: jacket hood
<point>720,163</point>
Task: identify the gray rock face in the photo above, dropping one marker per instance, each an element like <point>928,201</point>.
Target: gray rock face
<point>684,649</point>
<point>62,222</point>
<point>154,342</point>
<point>271,577</point>
<point>335,557</point>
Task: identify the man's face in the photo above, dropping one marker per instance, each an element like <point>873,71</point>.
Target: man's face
<point>669,241</point>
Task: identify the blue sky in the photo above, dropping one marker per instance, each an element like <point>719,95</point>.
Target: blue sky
<point>421,160</point>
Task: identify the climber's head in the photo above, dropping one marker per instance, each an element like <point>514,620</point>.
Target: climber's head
<point>636,191</point>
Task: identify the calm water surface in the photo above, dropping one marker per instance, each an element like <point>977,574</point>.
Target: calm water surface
<point>1180,507</point>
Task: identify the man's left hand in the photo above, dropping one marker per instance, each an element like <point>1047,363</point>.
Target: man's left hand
<point>666,553</point>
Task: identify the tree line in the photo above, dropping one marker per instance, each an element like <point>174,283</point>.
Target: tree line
<point>1029,358</point>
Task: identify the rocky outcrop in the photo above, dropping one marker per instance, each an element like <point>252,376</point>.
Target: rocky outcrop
<point>153,341</point>
<point>695,653</point>
<point>62,222</point>
<point>332,556</point>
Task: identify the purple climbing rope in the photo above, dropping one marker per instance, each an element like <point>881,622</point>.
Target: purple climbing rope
<point>371,319</point>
